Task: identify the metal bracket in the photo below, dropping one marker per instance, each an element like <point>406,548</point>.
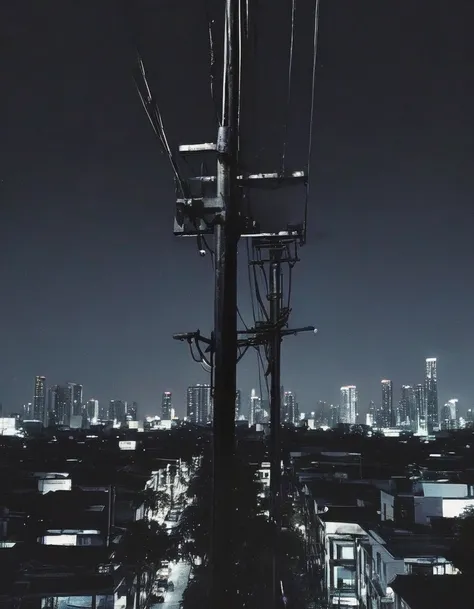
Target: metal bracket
<point>197,213</point>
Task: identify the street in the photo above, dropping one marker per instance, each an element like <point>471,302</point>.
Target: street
<point>179,576</point>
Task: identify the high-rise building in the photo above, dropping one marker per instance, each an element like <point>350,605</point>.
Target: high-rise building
<point>166,405</point>
<point>371,414</point>
<point>470,416</point>
<point>39,400</point>
<point>59,405</point>
<point>92,410</point>
<point>348,406</point>
<point>406,415</point>
<point>132,411</point>
<point>290,408</point>
<point>431,394</point>
<point>117,411</point>
<point>322,415</point>
<point>334,415</point>
<point>420,409</point>
<point>255,409</point>
<point>75,399</point>
<point>387,416</point>
<point>450,415</point>
<point>199,404</point>
<point>238,403</point>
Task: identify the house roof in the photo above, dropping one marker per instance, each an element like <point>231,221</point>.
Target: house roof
<point>416,546</point>
<point>434,591</point>
<point>350,514</point>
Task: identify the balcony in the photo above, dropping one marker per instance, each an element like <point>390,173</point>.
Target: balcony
<point>343,597</point>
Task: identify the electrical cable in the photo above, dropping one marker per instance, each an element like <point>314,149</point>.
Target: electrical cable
<point>212,59</point>
<point>239,94</point>
<point>261,369</point>
<point>154,116</point>
<point>288,98</point>
<point>242,319</point>
<point>311,118</point>
<point>249,275</point>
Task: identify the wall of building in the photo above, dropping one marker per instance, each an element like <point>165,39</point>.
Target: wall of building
<point>427,508</point>
<point>387,506</point>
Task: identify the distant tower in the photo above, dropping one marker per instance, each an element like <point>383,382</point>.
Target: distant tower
<point>387,415</point>
<point>334,416</point>
<point>370,419</point>
<point>470,416</point>
<point>75,400</point>
<point>132,411</point>
<point>255,409</point>
<point>348,408</point>
<point>323,415</point>
<point>406,415</point>
<point>39,400</point>
<point>117,411</point>
<point>166,405</point>
<point>290,408</point>
<point>199,404</point>
<point>420,408</point>
<point>59,405</point>
<point>431,394</point>
<point>92,409</point>
<point>238,403</point>
<point>450,415</point>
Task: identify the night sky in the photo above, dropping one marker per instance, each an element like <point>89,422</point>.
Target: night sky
<point>94,282</point>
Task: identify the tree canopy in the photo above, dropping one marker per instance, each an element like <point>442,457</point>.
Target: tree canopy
<point>462,553</point>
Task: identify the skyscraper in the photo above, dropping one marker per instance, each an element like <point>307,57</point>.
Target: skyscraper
<point>406,415</point>
<point>371,414</point>
<point>420,408</point>
<point>39,400</point>
<point>290,408</point>
<point>59,405</point>
<point>199,404</point>
<point>132,411</point>
<point>348,406</point>
<point>117,411</point>
<point>387,416</point>
<point>166,405</point>
<point>431,394</point>
<point>92,410</point>
<point>238,400</point>
<point>450,415</point>
<point>255,409</point>
<point>75,399</point>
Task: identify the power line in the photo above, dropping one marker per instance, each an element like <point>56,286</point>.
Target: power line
<point>311,118</point>
<point>290,74</point>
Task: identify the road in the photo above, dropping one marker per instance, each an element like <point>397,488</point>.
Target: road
<point>179,576</point>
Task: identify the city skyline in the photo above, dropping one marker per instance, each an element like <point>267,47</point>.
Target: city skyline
<point>392,395</point>
<point>88,204</point>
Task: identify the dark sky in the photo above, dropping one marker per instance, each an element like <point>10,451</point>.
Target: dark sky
<point>93,281</point>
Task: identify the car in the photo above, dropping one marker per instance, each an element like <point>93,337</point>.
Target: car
<point>170,586</point>
<point>162,582</point>
<point>157,598</point>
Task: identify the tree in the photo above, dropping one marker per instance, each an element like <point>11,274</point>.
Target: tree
<point>142,548</point>
<point>155,500</point>
<point>462,549</point>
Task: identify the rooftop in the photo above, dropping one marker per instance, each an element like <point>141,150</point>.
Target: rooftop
<point>435,591</point>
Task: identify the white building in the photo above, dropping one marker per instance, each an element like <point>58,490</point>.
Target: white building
<point>348,405</point>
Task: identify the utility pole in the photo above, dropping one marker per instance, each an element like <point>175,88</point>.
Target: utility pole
<point>226,236</point>
<point>275,297</point>
<point>211,204</point>
<point>274,251</point>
